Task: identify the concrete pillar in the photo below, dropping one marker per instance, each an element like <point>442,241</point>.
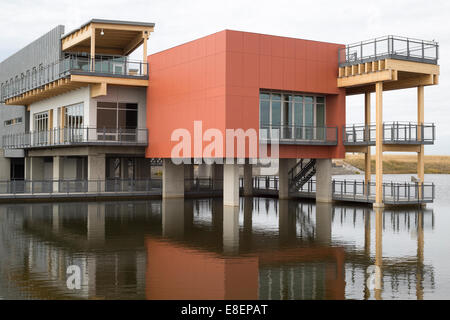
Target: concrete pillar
<point>230,230</point>
<point>324,192</point>
<point>189,176</point>
<point>173,218</point>
<point>287,230</point>
<point>248,180</point>
<point>96,172</point>
<point>96,222</point>
<point>323,222</point>
<point>173,179</point>
<point>5,167</point>
<point>231,185</point>
<point>284,165</point>
<point>217,176</point>
<point>58,172</point>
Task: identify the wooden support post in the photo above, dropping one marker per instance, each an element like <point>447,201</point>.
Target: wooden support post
<point>379,145</point>
<point>144,57</point>
<point>420,121</point>
<point>367,155</point>
<point>92,49</point>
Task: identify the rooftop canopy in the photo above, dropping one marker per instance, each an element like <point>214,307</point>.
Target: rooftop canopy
<point>108,36</point>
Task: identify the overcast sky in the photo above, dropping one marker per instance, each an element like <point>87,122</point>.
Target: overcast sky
<point>22,21</point>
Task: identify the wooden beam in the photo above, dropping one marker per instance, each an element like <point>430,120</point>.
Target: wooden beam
<point>136,42</point>
<point>356,149</point>
<point>400,148</point>
<point>368,78</point>
<point>98,89</point>
<point>109,80</point>
<point>410,66</point>
<point>144,55</point>
<point>379,145</point>
<point>76,37</point>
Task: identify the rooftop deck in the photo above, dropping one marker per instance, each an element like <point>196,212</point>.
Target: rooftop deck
<point>45,78</point>
<point>389,47</point>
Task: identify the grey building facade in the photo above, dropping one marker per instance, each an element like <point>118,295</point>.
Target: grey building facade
<point>20,69</point>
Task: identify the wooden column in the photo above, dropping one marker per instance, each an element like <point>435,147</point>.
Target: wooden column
<point>144,56</point>
<point>367,137</point>
<point>420,121</point>
<point>93,50</point>
<point>379,145</point>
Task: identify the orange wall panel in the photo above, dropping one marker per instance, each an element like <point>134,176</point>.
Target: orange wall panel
<point>217,79</point>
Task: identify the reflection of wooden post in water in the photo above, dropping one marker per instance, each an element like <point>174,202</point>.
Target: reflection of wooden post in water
<point>56,221</point>
<point>367,235</point>
<point>419,271</point>
<point>379,251</point>
<point>248,212</point>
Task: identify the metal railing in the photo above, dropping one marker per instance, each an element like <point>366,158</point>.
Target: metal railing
<point>39,76</point>
<point>393,47</point>
<point>75,187</point>
<point>75,136</point>
<point>203,185</point>
<point>393,192</point>
<point>393,133</point>
<point>300,135</point>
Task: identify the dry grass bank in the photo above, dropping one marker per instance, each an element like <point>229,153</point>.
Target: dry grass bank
<point>403,163</point>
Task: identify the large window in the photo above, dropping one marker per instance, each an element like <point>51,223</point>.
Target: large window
<point>117,115</point>
<point>296,116</point>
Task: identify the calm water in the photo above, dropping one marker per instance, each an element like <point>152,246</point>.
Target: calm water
<point>195,249</point>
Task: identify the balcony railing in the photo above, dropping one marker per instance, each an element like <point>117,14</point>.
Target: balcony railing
<point>393,192</point>
<point>74,187</point>
<point>76,136</point>
<point>393,133</point>
<point>392,47</point>
<point>299,135</point>
<point>72,64</point>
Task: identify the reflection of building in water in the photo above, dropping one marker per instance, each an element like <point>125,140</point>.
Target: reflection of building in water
<point>251,264</point>
<point>267,249</point>
<point>403,272</point>
<point>47,238</point>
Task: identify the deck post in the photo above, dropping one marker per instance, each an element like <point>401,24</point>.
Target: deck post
<point>367,155</point>
<point>420,121</point>
<point>58,172</point>
<point>96,172</point>
<point>379,145</point>
<point>92,50</point>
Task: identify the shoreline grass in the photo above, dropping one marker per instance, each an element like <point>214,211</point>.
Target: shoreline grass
<point>403,164</point>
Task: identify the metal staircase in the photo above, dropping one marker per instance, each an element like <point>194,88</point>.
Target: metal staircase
<point>305,172</point>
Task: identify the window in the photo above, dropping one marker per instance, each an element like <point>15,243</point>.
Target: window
<point>41,127</point>
<point>11,122</point>
<point>296,116</point>
<point>73,116</point>
<point>112,115</point>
